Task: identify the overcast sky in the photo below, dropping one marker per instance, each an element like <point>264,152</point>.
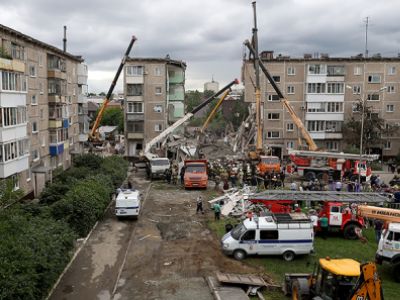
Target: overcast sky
<point>207,34</point>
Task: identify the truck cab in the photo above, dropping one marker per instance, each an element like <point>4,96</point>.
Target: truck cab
<point>157,166</point>
<point>275,234</point>
<point>268,164</point>
<point>196,173</point>
<point>389,248</point>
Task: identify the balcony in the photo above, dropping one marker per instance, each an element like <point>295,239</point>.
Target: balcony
<point>135,135</point>
<point>65,123</point>
<point>82,98</point>
<point>325,135</point>
<point>56,149</point>
<point>12,65</point>
<point>134,79</point>
<point>324,116</point>
<point>324,97</point>
<point>12,99</point>
<point>82,73</point>
<point>15,166</point>
<point>135,117</point>
<point>57,99</point>
<point>13,132</point>
<point>134,98</point>
<point>56,73</point>
<point>176,75</point>
<point>83,137</point>
<point>54,124</point>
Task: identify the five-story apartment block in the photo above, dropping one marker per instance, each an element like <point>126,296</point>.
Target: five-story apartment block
<point>323,92</point>
<point>38,109</point>
<point>154,90</point>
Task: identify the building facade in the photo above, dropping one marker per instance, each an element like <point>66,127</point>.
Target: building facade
<point>39,91</point>
<point>323,92</point>
<point>211,86</point>
<point>154,90</point>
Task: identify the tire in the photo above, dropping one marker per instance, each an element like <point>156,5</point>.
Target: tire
<point>288,255</point>
<point>310,176</point>
<point>396,271</point>
<point>239,254</point>
<point>349,231</point>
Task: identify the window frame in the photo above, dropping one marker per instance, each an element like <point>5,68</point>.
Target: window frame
<point>290,89</point>
<point>387,108</point>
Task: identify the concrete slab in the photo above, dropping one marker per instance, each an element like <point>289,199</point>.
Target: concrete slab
<point>225,292</point>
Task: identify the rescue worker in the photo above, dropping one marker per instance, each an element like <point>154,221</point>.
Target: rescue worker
<point>199,205</point>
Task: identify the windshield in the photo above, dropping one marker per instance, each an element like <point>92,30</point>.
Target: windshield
<point>270,160</point>
<point>160,162</point>
<point>195,168</point>
<point>238,231</point>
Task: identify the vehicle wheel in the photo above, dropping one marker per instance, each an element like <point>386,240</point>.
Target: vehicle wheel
<point>239,254</point>
<point>396,271</point>
<point>309,176</point>
<point>288,255</point>
<point>350,230</point>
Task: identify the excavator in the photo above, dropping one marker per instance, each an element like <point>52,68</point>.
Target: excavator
<point>336,279</point>
<point>94,136</point>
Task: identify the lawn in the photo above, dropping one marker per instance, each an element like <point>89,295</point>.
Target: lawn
<point>334,246</point>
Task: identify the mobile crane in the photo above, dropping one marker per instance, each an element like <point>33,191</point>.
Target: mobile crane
<point>389,243</point>
<point>94,134</point>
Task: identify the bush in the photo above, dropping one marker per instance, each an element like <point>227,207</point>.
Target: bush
<point>116,167</point>
<point>89,160</point>
<point>33,251</point>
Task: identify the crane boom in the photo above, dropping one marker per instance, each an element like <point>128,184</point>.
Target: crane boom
<point>306,135</point>
<point>186,117</point>
<point>214,111</point>
<point>381,213</point>
<point>93,133</point>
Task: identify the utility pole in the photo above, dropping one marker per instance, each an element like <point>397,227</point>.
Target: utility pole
<point>366,36</point>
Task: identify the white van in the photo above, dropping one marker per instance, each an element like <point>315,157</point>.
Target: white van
<point>157,166</point>
<point>275,234</point>
<point>127,203</point>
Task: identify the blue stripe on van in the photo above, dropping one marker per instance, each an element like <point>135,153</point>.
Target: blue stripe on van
<point>131,207</point>
<point>284,241</point>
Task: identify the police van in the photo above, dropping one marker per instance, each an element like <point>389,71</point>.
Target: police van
<point>274,234</point>
<point>127,203</point>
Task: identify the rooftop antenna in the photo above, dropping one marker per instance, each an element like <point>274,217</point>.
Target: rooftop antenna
<point>366,36</point>
<point>65,39</point>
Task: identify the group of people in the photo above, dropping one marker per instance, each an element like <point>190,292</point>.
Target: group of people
<point>216,207</point>
<point>171,175</point>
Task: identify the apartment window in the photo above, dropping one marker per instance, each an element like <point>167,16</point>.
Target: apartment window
<point>391,89</point>
<point>28,175</point>
<point>43,141</point>
<point>158,90</point>
<point>387,145</point>
<point>34,127</point>
<point>289,126</point>
<point>335,88</point>
<point>32,71</point>
<point>135,107</point>
<point>333,126</point>
<point>33,100</point>
<point>273,116</point>
<point>290,145</point>
<point>134,70</point>
<point>373,97</point>
<point>390,108</point>
<point>315,107</point>
<point>355,108</point>
<point>291,71</point>
<point>332,145</point>
<point>41,90</point>
<point>392,70</point>
<point>316,88</point>
<point>158,127</point>
<point>317,69</point>
<point>357,70</point>
<point>158,108</point>
<point>157,71</point>
<point>13,81</point>
<point>134,89</point>
<point>12,116</point>
<point>277,79</point>
<point>135,127</point>
<point>374,78</point>
<point>35,155</point>
<point>273,97</point>
<point>40,60</point>
<point>273,134</point>
<point>336,107</point>
<point>315,126</point>
<point>335,70</point>
<point>290,89</point>
<point>17,51</point>
<point>356,89</point>
<point>15,181</point>
<point>10,151</point>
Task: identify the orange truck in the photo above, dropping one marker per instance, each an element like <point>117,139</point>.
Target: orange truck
<point>196,173</point>
<point>268,164</point>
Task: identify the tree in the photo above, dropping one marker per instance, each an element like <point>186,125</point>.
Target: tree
<point>102,94</point>
<point>373,132</point>
<point>8,194</point>
<point>112,117</point>
<point>192,99</point>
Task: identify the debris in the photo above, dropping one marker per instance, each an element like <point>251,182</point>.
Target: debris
<point>168,263</point>
<point>251,280</point>
<point>144,237</point>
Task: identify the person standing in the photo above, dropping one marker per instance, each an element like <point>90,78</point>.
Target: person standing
<point>182,174</point>
<point>217,211</point>
<point>323,221</point>
<point>378,225</point>
<point>314,220</point>
<point>199,203</point>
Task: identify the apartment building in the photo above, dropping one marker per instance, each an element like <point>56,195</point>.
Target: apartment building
<point>40,89</point>
<point>154,90</point>
<point>323,92</point>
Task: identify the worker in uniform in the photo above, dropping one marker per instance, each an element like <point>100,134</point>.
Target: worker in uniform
<point>324,223</point>
<point>199,205</point>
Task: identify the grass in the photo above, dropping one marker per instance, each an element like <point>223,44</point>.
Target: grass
<point>334,246</point>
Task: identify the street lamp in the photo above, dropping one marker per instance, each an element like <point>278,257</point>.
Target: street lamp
<point>363,99</point>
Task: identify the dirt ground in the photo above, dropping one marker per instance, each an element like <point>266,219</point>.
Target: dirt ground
<point>172,250</point>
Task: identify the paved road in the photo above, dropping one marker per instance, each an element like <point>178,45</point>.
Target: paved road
<point>94,272</point>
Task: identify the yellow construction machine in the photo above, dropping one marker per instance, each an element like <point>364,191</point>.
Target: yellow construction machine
<point>336,279</point>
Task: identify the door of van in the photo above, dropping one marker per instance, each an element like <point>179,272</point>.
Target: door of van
<point>248,242</point>
<point>391,244</point>
<point>268,242</point>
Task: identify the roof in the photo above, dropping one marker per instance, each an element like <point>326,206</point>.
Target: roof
<point>394,227</point>
<point>107,129</point>
<point>330,59</point>
<point>178,63</point>
<point>34,41</point>
<point>124,194</point>
<point>343,266</point>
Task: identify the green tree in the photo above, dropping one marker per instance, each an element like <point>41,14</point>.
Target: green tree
<point>373,132</point>
<point>8,194</point>
<point>112,117</point>
<point>192,99</point>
